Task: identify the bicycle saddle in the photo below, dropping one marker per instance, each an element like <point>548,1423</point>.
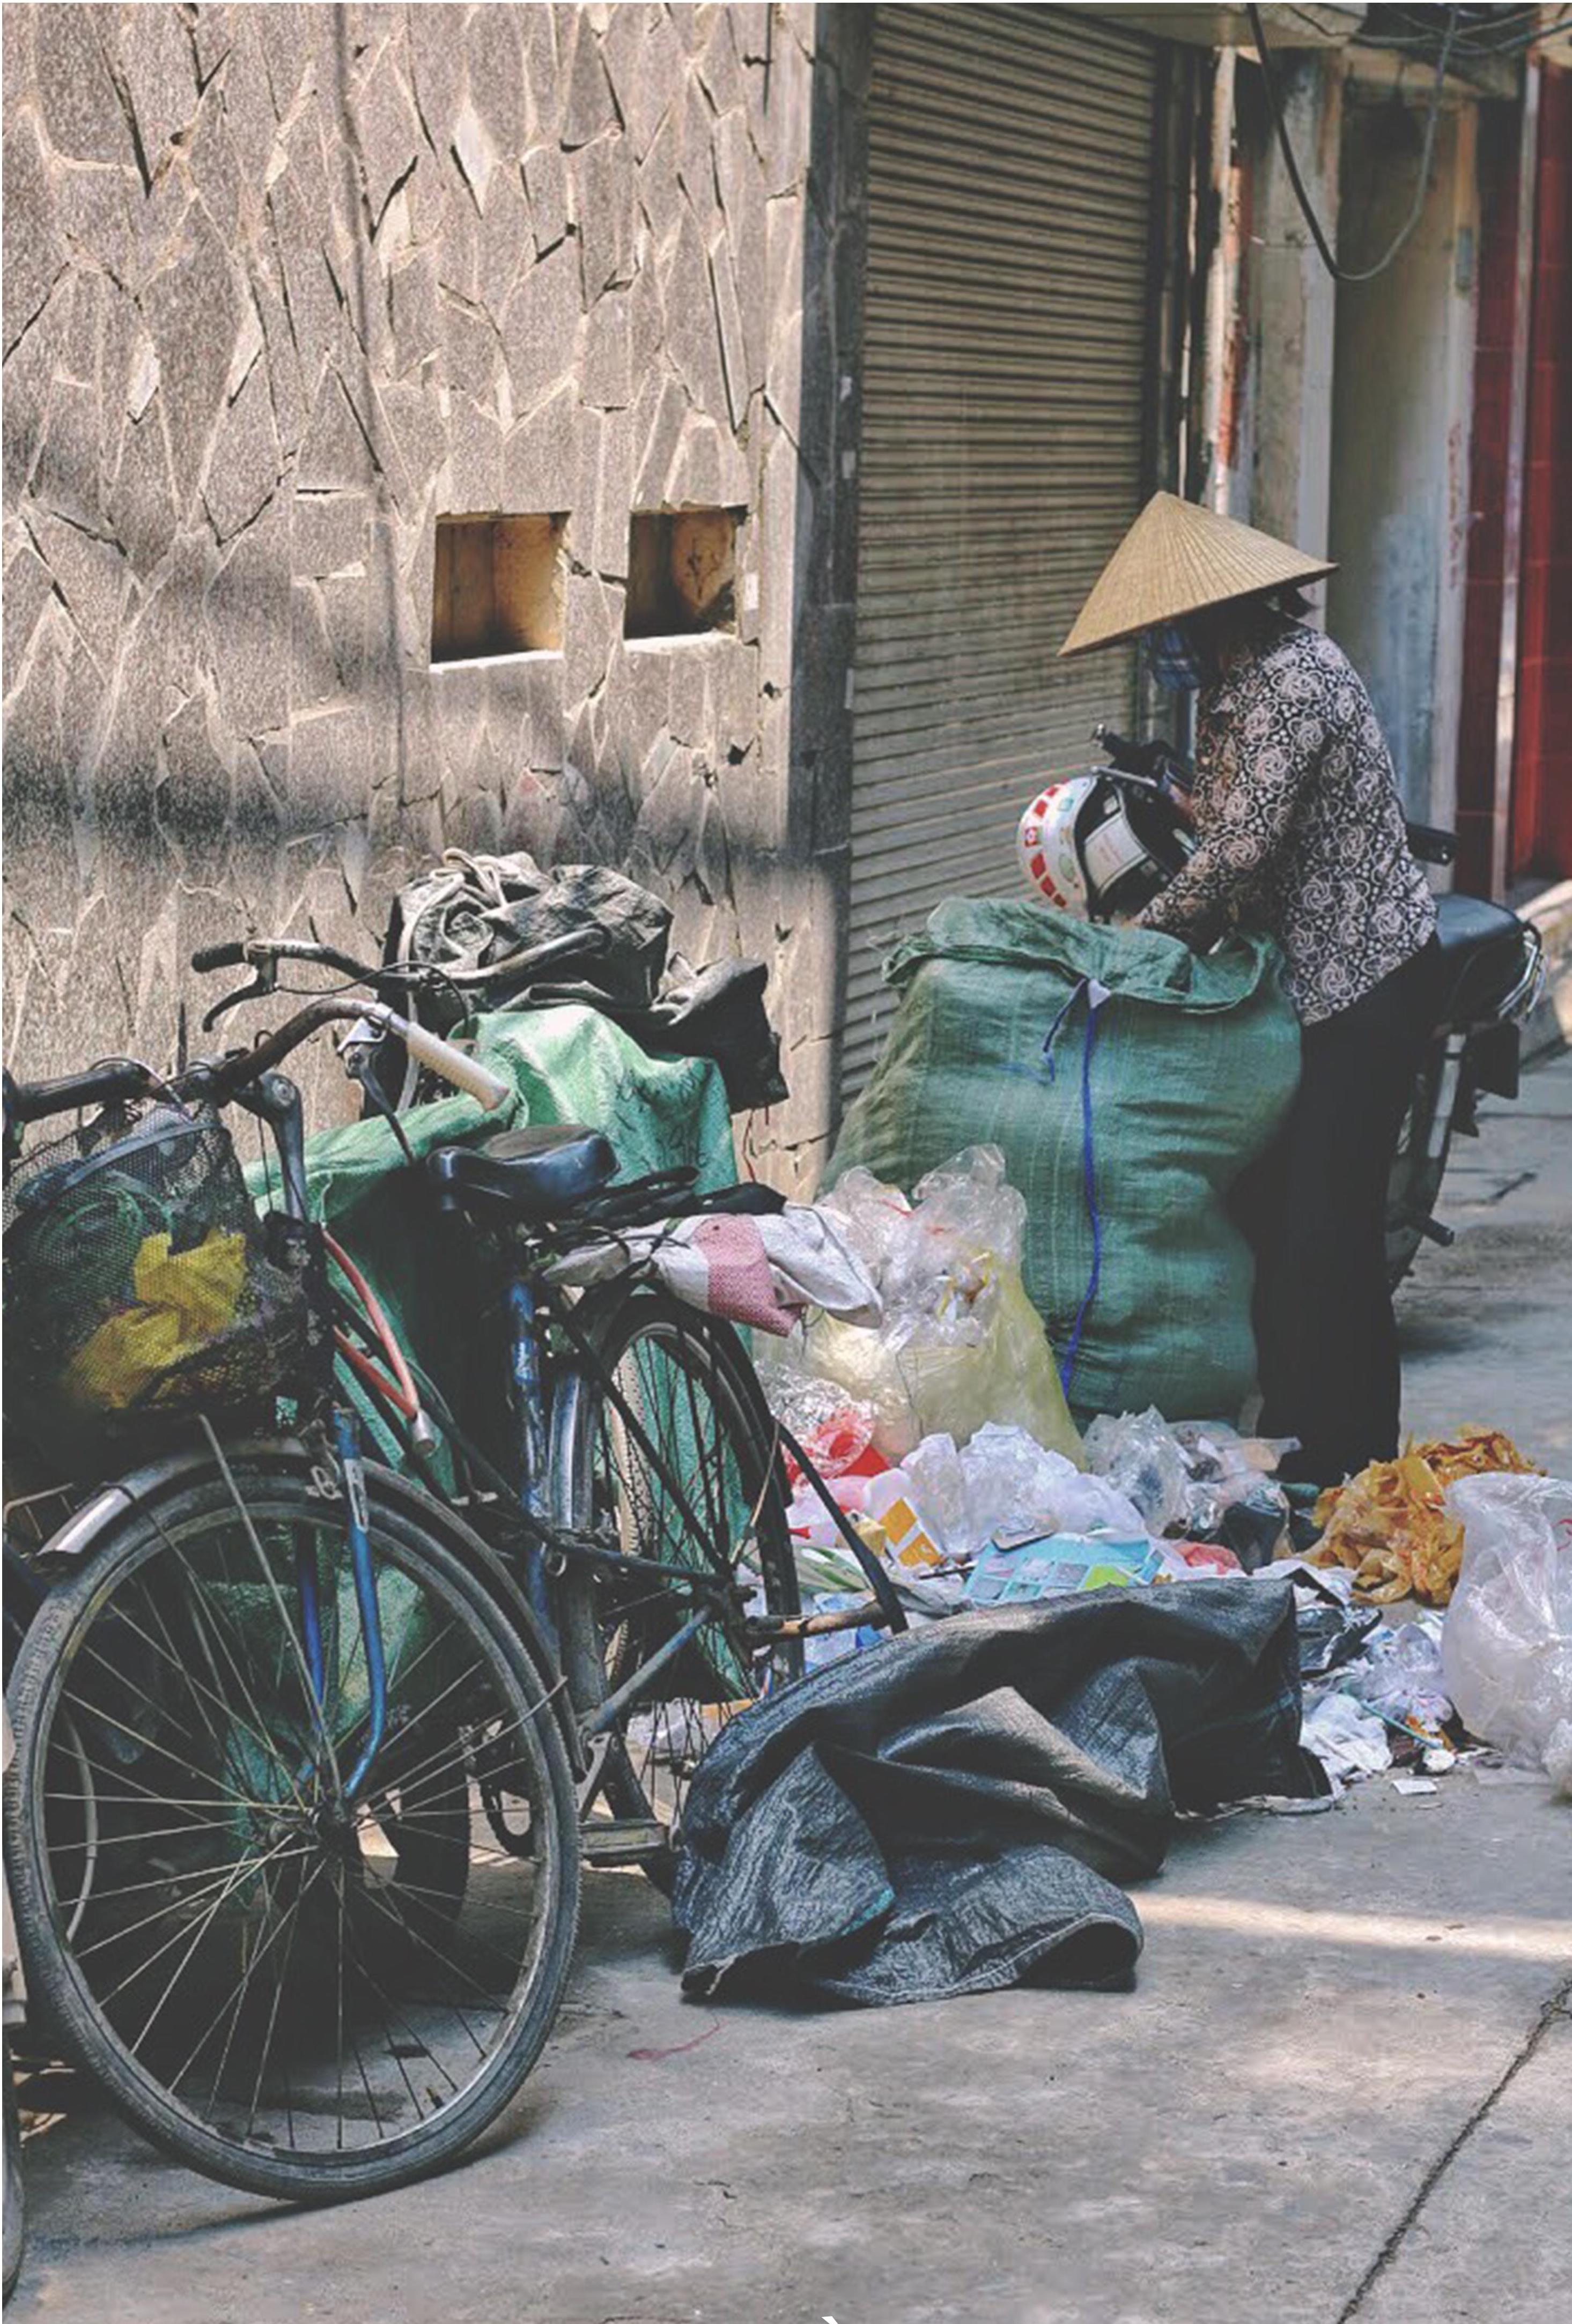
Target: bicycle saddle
<point>535,1175</point>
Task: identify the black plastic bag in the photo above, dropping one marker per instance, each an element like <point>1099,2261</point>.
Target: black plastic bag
<point>949,1811</point>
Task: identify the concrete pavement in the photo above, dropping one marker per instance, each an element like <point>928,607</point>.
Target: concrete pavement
<point>1341,2089</point>
<point>1484,1324</point>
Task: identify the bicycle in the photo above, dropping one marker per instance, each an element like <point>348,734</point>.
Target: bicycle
<point>640,1454</point>
<point>275,1720</point>
<point>637,1562</point>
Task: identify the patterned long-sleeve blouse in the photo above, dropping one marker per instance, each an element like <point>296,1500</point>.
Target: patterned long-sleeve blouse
<point>1299,825</point>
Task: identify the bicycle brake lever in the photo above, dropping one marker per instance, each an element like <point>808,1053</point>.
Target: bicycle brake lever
<point>262,986</point>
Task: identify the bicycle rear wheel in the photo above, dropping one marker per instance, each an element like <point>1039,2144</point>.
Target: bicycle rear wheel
<point>677,1466</point>
<point>300,1993</point>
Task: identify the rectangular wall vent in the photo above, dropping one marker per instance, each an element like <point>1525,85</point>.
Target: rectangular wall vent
<point>498,586</point>
<point>682,572</point>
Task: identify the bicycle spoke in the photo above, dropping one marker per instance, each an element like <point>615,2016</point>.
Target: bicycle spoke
<point>177,1904</point>
<point>390,2015</point>
<point>234,2002</point>
<point>379,1896</point>
<point>296,1909</point>
<point>187,1766</point>
<point>241,1873</point>
<point>255,1730</point>
<point>221,1632</point>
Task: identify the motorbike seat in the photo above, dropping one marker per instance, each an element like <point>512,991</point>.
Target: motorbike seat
<point>530,1175</point>
<point>1482,956</point>
<point>1463,923</point>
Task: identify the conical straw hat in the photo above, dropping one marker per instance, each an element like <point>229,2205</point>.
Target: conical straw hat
<point>1174,560</point>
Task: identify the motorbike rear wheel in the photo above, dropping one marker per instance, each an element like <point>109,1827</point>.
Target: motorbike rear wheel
<point>1414,1185</point>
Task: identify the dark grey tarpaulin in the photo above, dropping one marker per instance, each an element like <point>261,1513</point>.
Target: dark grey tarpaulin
<point>949,1812</point>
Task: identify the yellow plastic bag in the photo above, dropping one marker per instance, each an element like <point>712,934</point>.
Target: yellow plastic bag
<point>184,1300</point>
<point>948,1374</point>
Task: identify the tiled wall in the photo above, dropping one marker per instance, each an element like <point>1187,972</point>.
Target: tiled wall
<point>282,284</point>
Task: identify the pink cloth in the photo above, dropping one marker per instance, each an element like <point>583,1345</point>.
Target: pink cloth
<point>741,1285</point>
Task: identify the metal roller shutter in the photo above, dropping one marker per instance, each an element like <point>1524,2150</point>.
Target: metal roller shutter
<point>1009,177</point>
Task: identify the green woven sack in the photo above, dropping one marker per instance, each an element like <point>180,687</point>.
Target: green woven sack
<point>567,1064</point>
<point>1180,1072</point>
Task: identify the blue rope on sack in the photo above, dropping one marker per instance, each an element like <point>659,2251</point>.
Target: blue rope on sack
<point>1094,994</point>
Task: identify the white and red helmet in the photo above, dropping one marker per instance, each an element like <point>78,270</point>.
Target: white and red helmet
<point>1050,857</point>
<point>1100,845</point>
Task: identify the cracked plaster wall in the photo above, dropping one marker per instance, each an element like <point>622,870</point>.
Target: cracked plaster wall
<point>281,284</point>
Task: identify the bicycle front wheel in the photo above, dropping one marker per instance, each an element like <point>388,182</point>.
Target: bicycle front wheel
<point>302,1987</point>
<point>670,1459</point>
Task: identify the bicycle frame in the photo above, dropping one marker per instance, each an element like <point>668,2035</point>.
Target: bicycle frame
<point>276,1101</point>
<point>542,1422</point>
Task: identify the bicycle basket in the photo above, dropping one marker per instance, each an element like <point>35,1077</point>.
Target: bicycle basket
<point>139,1279</point>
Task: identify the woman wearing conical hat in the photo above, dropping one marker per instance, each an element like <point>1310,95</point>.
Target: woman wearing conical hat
<point>1301,832</point>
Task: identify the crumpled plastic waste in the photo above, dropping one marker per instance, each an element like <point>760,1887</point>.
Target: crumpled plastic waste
<point>1004,1486</point>
<point>1140,1454</point>
<point>1199,1478</point>
<point>1183,1559</point>
<point>1390,1523</point>
<point>960,1343</point>
<point>835,1430</point>
<point>819,1547</point>
<point>1061,1562</point>
<point>1506,1648</point>
<point>1400,1679</point>
<point>1349,1741</point>
<point>929,1517</point>
<point>1333,1631</point>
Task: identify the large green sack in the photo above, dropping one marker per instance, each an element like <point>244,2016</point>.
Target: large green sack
<point>1193,1062</point>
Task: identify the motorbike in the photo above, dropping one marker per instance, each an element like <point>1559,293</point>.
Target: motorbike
<point>1492,974</point>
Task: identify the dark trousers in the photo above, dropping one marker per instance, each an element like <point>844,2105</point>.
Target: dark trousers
<point>1314,1211</point>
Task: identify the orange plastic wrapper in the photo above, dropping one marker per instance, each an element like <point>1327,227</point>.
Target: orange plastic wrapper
<point>1390,1523</point>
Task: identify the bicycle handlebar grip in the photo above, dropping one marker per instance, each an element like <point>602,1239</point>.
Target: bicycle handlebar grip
<point>465,1071</point>
<point>224,955</point>
<point>99,1085</point>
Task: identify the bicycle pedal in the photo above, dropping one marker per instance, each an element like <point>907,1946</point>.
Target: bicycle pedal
<point>607,1842</point>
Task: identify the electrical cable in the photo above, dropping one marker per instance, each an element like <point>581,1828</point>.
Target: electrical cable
<point>1318,235</point>
<point>1505,32</point>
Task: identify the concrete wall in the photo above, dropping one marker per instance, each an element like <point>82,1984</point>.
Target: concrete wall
<point>282,284</point>
<point>1291,304</point>
<point>1401,428</point>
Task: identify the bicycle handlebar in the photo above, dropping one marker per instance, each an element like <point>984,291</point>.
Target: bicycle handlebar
<point>99,1084</point>
<point>220,1080</point>
<point>258,952</point>
<point>224,955</point>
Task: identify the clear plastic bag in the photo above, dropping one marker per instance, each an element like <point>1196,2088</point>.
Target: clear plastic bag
<point>834,1429</point>
<point>1141,1457</point>
<point>1005,1487</point>
<point>960,1344</point>
<point>1506,1648</point>
<point>1401,1677</point>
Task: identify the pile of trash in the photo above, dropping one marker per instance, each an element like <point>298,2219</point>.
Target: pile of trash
<point>1489,1680</point>
<point>943,1441</point>
<point>1390,1526</point>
